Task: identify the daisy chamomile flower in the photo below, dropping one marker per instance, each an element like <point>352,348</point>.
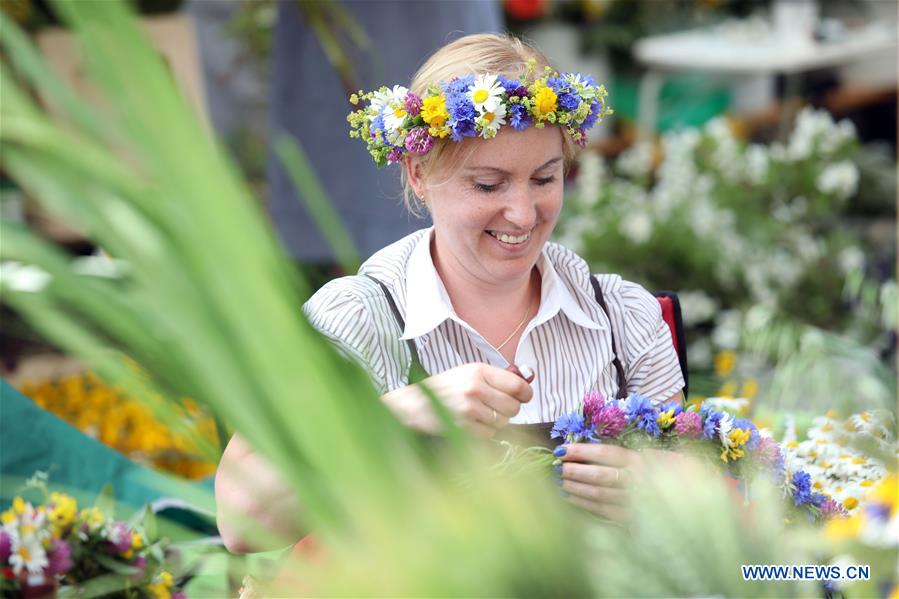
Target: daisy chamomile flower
<point>490,121</point>
<point>486,94</point>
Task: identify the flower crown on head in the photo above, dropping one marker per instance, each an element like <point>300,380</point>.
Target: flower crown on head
<point>396,122</point>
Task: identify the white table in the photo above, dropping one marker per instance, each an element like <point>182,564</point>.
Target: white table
<point>709,51</point>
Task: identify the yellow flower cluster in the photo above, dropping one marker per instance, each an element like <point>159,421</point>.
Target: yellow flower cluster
<point>161,587</point>
<point>105,413</point>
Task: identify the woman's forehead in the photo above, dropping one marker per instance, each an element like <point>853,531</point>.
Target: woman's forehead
<point>512,150</point>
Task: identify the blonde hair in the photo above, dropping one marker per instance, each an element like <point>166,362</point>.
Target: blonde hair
<point>476,55</point>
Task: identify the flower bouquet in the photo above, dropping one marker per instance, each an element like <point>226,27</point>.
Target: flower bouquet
<point>56,549</point>
<point>734,443</point>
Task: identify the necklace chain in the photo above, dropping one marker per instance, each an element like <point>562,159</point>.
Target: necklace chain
<point>520,324</point>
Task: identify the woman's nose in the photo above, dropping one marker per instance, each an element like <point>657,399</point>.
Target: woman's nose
<point>521,210</point>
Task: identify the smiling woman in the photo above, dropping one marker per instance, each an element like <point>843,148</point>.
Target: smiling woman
<point>483,138</point>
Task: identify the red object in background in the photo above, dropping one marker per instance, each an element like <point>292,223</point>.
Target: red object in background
<point>525,10</point>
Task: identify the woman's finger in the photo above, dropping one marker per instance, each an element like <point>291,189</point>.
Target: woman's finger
<point>615,513</point>
<point>594,493</point>
<point>598,453</point>
<point>592,474</point>
<point>507,383</point>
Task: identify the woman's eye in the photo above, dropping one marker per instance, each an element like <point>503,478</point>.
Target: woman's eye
<point>486,187</point>
<point>544,180</point>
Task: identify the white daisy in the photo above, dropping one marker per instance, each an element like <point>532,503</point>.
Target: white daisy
<point>28,554</point>
<point>490,121</point>
<point>725,425</point>
<point>486,94</point>
<point>385,97</point>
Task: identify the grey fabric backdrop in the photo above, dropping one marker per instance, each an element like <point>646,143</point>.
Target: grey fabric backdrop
<point>309,102</point>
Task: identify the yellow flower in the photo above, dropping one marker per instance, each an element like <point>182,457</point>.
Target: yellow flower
<point>137,541</point>
<point>738,438</point>
<point>64,509</point>
<point>545,101</point>
<point>7,517</point>
<point>886,493</point>
<point>750,388</point>
<point>839,529</point>
<point>725,362</point>
<point>433,111</point>
<point>850,503</point>
<point>19,506</point>
<point>666,419</point>
<point>728,389</point>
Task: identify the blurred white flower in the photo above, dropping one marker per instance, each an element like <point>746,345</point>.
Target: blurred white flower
<point>636,161</point>
<point>696,306</point>
<point>851,259</point>
<point>840,179</point>
<point>591,173</point>
<point>636,226</point>
<point>757,164</point>
<point>728,329</point>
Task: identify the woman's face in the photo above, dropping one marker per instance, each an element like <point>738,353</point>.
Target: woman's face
<point>494,213</point>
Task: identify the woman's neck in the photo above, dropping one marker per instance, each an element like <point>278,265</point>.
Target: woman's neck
<point>493,310</point>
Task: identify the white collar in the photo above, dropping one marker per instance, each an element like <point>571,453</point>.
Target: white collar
<point>428,304</point>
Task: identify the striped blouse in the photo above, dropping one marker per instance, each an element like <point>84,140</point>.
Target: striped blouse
<point>567,343</point>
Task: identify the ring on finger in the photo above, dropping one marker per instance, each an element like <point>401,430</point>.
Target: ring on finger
<point>617,475</point>
<point>494,416</point>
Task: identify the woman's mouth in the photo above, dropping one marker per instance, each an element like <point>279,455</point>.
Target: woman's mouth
<point>510,239</point>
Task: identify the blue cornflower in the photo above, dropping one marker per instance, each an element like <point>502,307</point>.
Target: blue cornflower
<point>673,404</point>
<point>569,101</point>
<point>802,490</point>
<point>572,428</point>
<point>641,412</point>
<point>462,112</point>
<point>518,117</point>
<point>590,119</point>
<point>710,419</point>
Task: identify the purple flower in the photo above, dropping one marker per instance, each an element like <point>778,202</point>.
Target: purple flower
<point>581,142</point>
<point>120,537</point>
<point>178,595</point>
<point>878,512</point>
<point>768,451</point>
<point>5,546</point>
<point>418,141</point>
<point>394,155</point>
<point>833,509</point>
<point>641,412</point>
<point>59,558</point>
<point>413,104</point>
<point>688,424</point>
<point>510,85</point>
<point>518,117</point>
<point>593,401</point>
<point>609,421</point>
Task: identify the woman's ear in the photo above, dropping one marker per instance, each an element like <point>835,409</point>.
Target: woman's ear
<point>413,175</point>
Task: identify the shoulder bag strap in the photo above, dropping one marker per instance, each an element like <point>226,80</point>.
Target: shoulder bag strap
<point>622,382</point>
<point>416,370</point>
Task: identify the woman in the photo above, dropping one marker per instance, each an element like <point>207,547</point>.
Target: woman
<point>483,289</point>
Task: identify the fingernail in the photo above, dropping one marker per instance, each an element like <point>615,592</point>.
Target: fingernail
<point>558,468</point>
<point>527,372</point>
<point>560,451</point>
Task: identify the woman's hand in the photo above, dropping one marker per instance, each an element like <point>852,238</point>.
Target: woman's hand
<point>257,509</point>
<point>482,398</point>
<point>597,477</point>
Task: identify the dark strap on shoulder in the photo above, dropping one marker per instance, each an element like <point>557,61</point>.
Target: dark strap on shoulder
<point>416,370</point>
<point>622,382</point>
